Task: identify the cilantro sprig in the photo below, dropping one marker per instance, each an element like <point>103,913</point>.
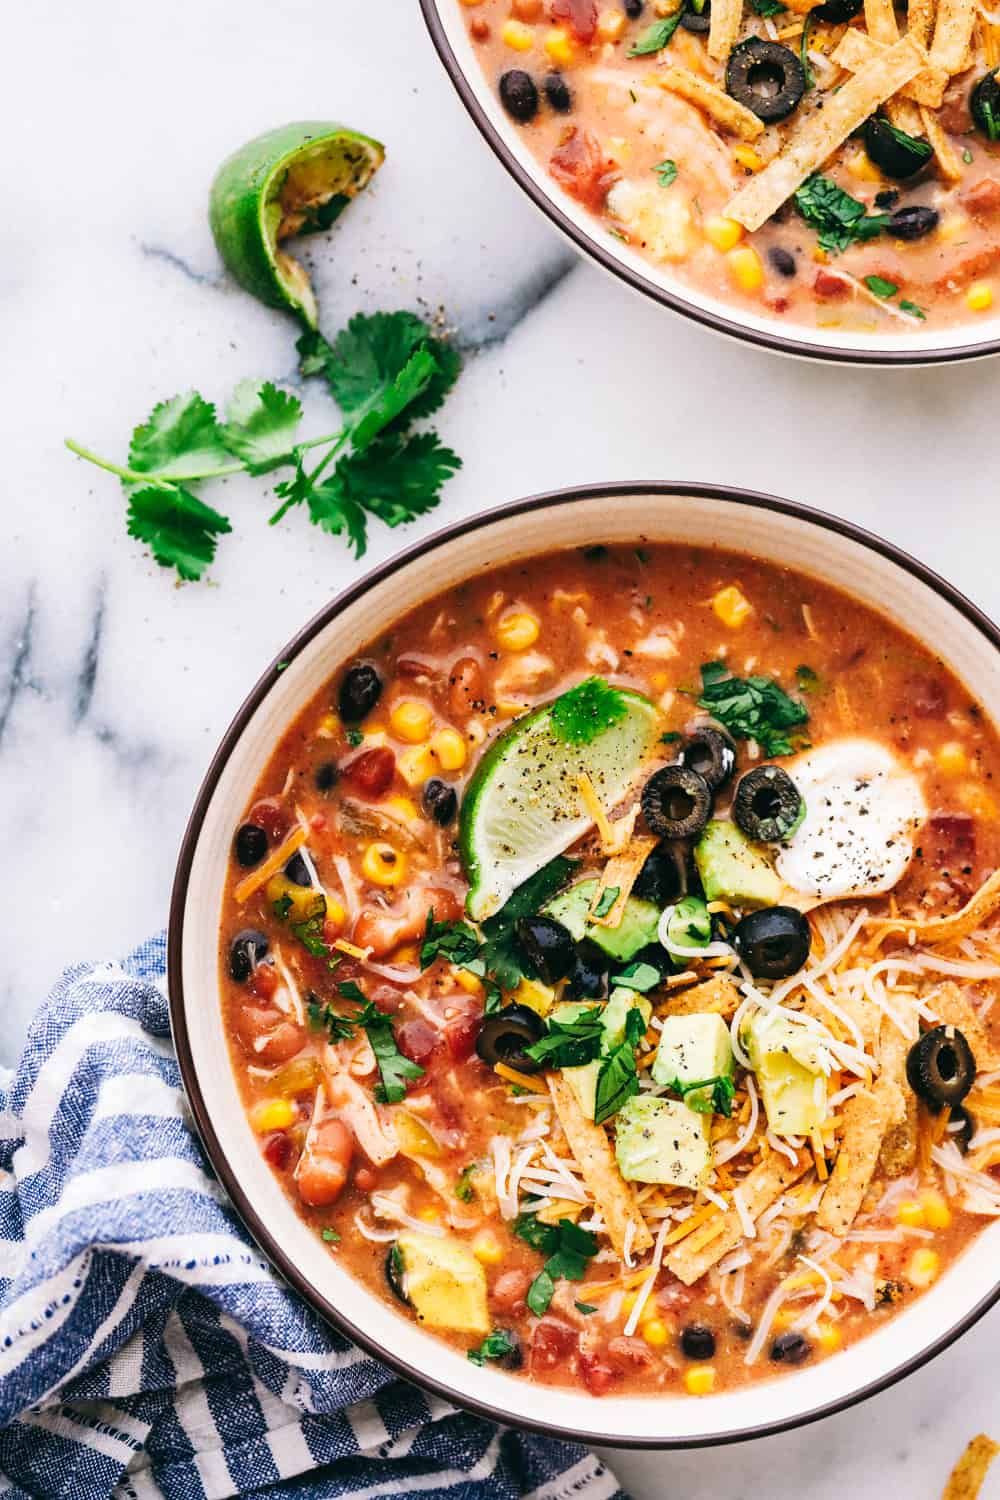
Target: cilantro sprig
<point>657,36</point>
<point>385,371</point>
<point>496,1345</point>
<point>587,710</point>
<point>394,1069</point>
<point>839,220</point>
<point>752,708</point>
<point>567,1248</point>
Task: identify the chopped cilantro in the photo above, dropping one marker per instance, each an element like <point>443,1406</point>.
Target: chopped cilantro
<point>569,1043</point>
<point>806,679</point>
<point>496,1345</point>
<point>707,1095</point>
<point>585,1307</point>
<point>608,898</point>
<point>670,737</point>
<point>330,1236</point>
<point>839,219</point>
<point>657,36</point>
<point>641,977</point>
<point>568,1249</point>
<point>752,708</point>
<point>464,1190</point>
<point>807,27</point>
<point>880,286</point>
<point>583,713</point>
<point>394,1069</point>
<point>968,157</point>
<point>325,1018</point>
<point>355,738</point>
<point>666,173</point>
<point>913,310</point>
<point>618,1078</point>
<point>768,7</point>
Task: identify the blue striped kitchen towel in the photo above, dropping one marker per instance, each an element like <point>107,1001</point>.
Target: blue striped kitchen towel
<point>146,1348</point>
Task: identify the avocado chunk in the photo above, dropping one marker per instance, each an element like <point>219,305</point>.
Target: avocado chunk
<point>789,1061</point>
<point>636,929</point>
<point>444,1282</point>
<point>692,1049</point>
<point>583,1080</point>
<point>662,1140</point>
<point>733,869</point>
<point>616,1013</point>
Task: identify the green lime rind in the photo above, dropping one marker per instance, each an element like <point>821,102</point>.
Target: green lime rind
<point>246,214</point>
<point>522,806</point>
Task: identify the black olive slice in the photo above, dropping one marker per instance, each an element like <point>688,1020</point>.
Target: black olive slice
<point>394,1273</point>
<point>505,1035</point>
<point>940,1067</point>
<point>588,978</point>
<point>518,95</point>
<point>359,692</point>
<point>547,945</point>
<point>773,943</point>
<point>894,152</point>
<point>245,953</point>
<point>249,845</point>
<point>698,1342</point>
<point>838,11</point>
<point>440,801</point>
<point>676,802</point>
<point>984,104</point>
<point>667,876</point>
<point>767,806</point>
<point>790,1348</point>
<point>766,78</point>
<point>297,871</point>
<point>697,20</point>
<point>711,753</point>
<point>913,222</point>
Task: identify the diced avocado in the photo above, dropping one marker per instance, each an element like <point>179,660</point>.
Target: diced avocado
<point>661,1140</point>
<point>689,924</point>
<point>788,1060</point>
<point>637,927</point>
<point>583,1082</point>
<point>444,1282</point>
<point>616,1013</point>
<point>733,869</point>
<point>692,1049</point>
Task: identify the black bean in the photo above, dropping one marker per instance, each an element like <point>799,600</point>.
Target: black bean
<point>633,9</point>
<point>359,692</point>
<point>249,845</point>
<point>518,95</point>
<point>783,261</point>
<point>698,1342</point>
<point>440,801</point>
<point>790,1348</point>
<point>888,198</point>
<point>297,871</point>
<point>326,776</point>
<point>914,222</point>
<point>557,93</point>
<point>245,953</point>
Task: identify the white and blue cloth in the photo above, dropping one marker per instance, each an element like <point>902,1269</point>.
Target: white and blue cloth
<point>146,1348</point>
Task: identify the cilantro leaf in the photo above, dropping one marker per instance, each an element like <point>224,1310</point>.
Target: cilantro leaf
<point>568,1248</point>
<point>464,1191</point>
<point>397,478</point>
<point>640,976</point>
<point>325,1018</point>
<point>496,1345</point>
<point>569,1044</point>
<point>394,1069</point>
<point>181,439</point>
<point>370,353</point>
<point>618,1078</point>
<point>455,941</point>
<point>607,900</point>
<point>839,219</point>
<point>260,426</point>
<point>388,403</point>
<point>334,512</point>
<point>179,529</point>
<point>580,715</point>
<point>540,1293</point>
<point>330,1236</point>
<point>542,1237</point>
<point>656,37</point>
<point>807,680</point>
<point>880,286</point>
<point>752,708</point>
<point>912,308</point>
<point>768,7</point>
<point>666,172</point>
<point>708,1094</point>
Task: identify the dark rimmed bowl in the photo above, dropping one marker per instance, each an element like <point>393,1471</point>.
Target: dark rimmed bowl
<point>703,516</point>
<point>447,21</point>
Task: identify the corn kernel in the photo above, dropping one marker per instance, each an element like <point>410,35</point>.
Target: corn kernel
<point>429,1214</point>
<point>700,1381</point>
<point>408,954</point>
<point>979,297</point>
<point>748,158</point>
<point>518,631</point>
<point>949,229</point>
<point>628,1304</point>
<point>610,25</point>
<point>417,765</point>
<point>411,721</point>
<point>383,865</point>
<point>375,734</point>
<point>860,164</point>
<point>537,996</point>
<point>559,46</point>
<point>449,747</point>
<point>656,1333</point>
<point>329,726</point>
<point>723,233</point>
<point>924,1267</point>
<point>274,1114</point>
<point>951,758</point>
<point>487,1249</point>
<point>828,1336</point>
<point>822,259</point>
<point>732,606</point>
<point>467,982</point>
<point>910,1213</point>
<point>335,912</point>
<point>515,34</point>
<point>746,268</point>
<point>936,1210</point>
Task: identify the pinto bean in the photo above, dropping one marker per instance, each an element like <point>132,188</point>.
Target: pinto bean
<point>982,200</point>
<point>509,1291</point>
<point>267,1035</point>
<point>323,1166</point>
<point>954,114</point>
<point>404,922</point>
<point>465,685</point>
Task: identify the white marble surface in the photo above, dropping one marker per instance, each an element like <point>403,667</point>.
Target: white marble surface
<point>115,685</point>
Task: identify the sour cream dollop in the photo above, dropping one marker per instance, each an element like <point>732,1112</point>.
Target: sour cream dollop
<point>863,812</point>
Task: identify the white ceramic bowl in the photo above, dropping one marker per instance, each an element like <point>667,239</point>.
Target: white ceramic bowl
<point>447,21</point>
<point>776,530</point>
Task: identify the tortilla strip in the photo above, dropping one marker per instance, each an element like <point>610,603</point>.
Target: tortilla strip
<point>946,929</point>
<point>905,115</point>
<point>954,1008</point>
<point>724,27</point>
<point>867,1117</point>
<point>855,49</point>
<point>953,35</point>
<point>596,1160</point>
<point>948,161</point>
<point>880,22</point>
<point>718,997</point>
<point>920,21</point>
<point>742,122</point>
<point>620,874</point>
<point>966,1479</point>
<point>899,1144</point>
<point>759,1189</point>
<point>809,146</point>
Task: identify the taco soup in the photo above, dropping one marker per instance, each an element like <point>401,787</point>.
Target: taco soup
<point>833,164</point>
<point>608,956</point>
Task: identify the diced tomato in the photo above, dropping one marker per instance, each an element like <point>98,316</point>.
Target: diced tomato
<point>955,838</point>
<point>581,15</point>
<point>926,697</point>
<point>461,1031</point>
<point>418,1041</point>
<point>598,1375</point>
<point>278,1150</point>
<point>319,822</point>
<point>270,815</point>
<point>982,200</point>
<point>580,166</point>
<point>371,773</point>
<point>832,288</point>
<point>629,1353</point>
<point>552,1343</point>
<point>385,929</point>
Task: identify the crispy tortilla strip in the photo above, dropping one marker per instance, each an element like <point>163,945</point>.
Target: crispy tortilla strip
<point>867,1117</point>
<point>905,115</point>
<point>620,874</point>
<point>758,1190</point>
<point>880,22</point>
<point>953,35</point>
<point>949,163</point>
<point>724,28</point>
<point>946,929</point>
<point>855,49</point>
<point>954,1008</point>
<point>724,110</point>
<point>969,1473</point>
<point>920,21</point>
<point>809,146</point>
<point>718,996</point>
<point>899,1144</point>
<point>596,1160</point>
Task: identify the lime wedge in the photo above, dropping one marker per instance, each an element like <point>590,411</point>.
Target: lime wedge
<point>523,805</point>
<point>297,179</point>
